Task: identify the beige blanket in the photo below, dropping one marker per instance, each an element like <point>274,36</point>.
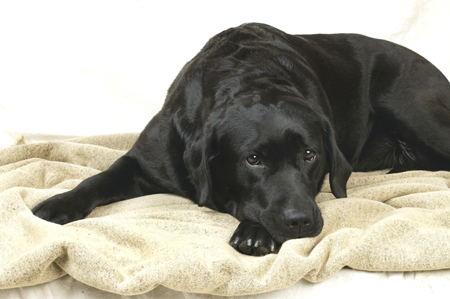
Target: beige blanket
<point>395,222</point>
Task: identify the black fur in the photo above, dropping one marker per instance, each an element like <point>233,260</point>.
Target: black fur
<point>252,124</point>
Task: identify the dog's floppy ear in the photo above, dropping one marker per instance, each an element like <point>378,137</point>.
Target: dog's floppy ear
<point>197,158</point>
<point>339,167</point>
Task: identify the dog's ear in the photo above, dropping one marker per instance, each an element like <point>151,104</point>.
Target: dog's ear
<point>197,157</point>
<point>339,167</point>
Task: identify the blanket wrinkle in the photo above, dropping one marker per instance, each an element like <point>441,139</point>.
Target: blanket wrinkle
<point>388,222</point>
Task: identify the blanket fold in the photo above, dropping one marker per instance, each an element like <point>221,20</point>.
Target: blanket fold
<point>389,222</point>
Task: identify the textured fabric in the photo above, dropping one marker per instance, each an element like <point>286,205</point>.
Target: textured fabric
<point>389,222</point>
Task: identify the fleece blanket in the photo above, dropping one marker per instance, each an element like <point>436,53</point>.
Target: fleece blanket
<point>389,222</point>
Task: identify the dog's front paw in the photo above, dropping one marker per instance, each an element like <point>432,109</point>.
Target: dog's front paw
<point>253,239</point>
<point>61,208</point>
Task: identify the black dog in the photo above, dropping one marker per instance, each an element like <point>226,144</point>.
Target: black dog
<point>253,123</point>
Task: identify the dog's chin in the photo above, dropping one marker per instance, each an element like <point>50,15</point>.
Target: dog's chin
<point>284,235</point>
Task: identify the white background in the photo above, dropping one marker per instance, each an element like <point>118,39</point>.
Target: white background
<point>100,67</point>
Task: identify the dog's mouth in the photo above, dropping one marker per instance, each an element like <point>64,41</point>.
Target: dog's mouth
<point>282,230</point>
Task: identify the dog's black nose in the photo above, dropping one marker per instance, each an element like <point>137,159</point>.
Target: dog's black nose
<point>298,221</point>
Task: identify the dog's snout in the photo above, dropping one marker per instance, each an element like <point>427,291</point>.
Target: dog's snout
<point>298,221</point>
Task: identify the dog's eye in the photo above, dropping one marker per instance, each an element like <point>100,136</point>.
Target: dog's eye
<point>309,156</point>
<point>253,160</point>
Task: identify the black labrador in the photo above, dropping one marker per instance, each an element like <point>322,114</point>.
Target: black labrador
<point>252,124</point>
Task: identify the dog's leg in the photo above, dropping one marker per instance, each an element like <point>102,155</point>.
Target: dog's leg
<point>253,239</point>
<point>122,180</point>
<point>411,110</point>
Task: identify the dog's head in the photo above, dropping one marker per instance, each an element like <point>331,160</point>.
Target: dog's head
<point>266,162</point>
